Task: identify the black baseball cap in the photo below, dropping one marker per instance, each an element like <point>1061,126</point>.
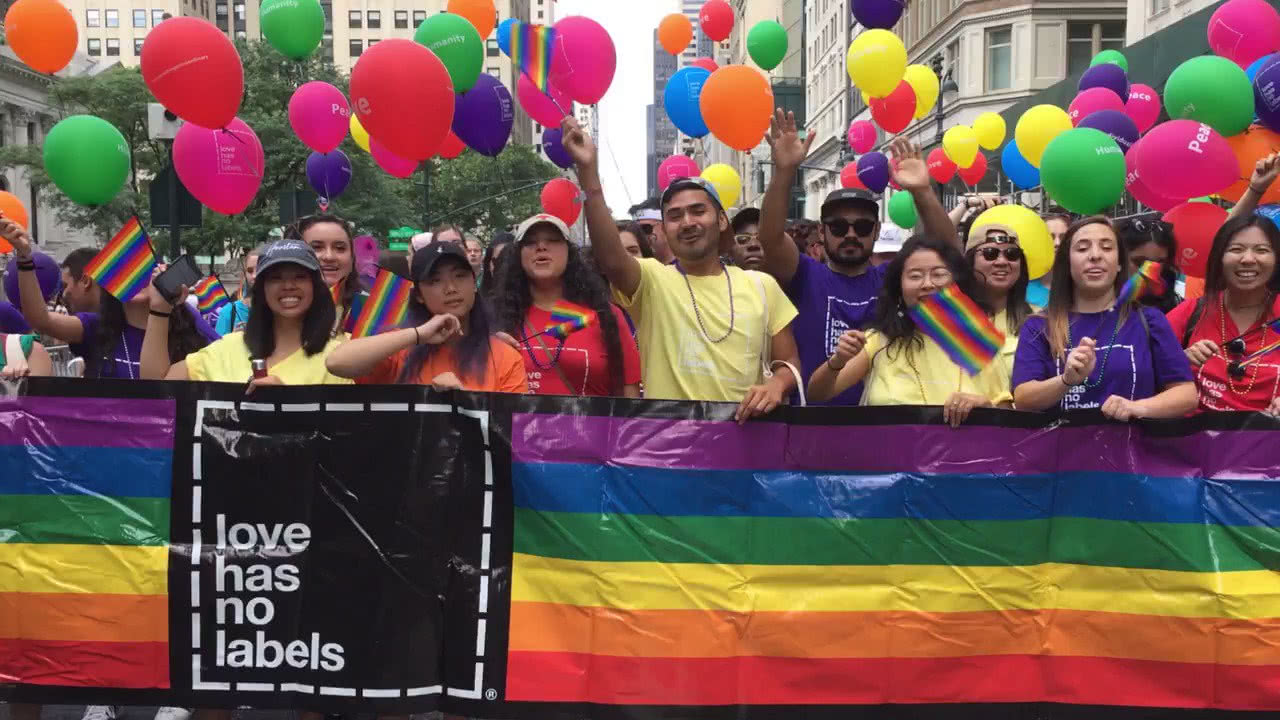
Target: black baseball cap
<point>294,252</point>
<point>426,259</point>
<point>744,217</point>
<point>849,196</point>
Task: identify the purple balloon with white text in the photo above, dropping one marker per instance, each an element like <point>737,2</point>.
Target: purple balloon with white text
<point>873,171</point>
<point>483,115</point>
<point>329,173</point>
<point>1109,76</point>
<point>1115,123</point>
<point>553,146</point>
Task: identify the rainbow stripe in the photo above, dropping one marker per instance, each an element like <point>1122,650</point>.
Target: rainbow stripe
<point>210,295</point>
<point>531,47</point>
<point>956,323</point>
<point>84,535</point>
<point>386,307</point>
<point>567,319</point>
<point>123,268</point>
<point>1147,281</point>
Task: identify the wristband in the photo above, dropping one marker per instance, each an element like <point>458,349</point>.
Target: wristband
<point>1260,192</point>
<point>417,339</point>
<point>833,368</point>
<point>157,313</point>
<point>26,265</point>
<point>1063,376</point>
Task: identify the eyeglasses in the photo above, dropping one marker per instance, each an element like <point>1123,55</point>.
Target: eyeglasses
<point>839,227</point>
<point>939,276</point>
<point>991,254</point>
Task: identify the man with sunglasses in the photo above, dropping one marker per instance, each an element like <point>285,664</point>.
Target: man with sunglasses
<point>648,215</point>
<point>841,293</point>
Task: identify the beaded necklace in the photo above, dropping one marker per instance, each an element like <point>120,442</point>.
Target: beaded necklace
<point>528,347</point>
<point>1222,347</point>
<point>1102,370</point>
<point>698,312</point>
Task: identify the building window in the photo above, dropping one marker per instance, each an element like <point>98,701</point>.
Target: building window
<point>418,17</point>
<point>139,18</point>
<point>92,18</point>
<point>494,71</point>
<point>113,18</point>
<point>402,19</point>
<point>1112,32</point>
<point>491,48</point>
<point>113,47</point>
<point>1159,6</point>
<point>137,47</point>
<point>375,19</point>
<point>353,19</point>
<point>95,47</point>
<point>999,58</point>
<point>1086,39</point>
<point>157,17</point>
<point>355,48</point>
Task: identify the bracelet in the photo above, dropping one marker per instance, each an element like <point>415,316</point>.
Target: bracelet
<point>157,313</point>
<point>1063,377</point>
<point>833,368</point>
<point>417,339</point>
<point>1263,191</point>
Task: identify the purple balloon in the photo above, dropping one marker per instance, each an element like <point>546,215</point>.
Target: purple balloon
<point>553,146</point>
<point>329,173</point>
<point>1109,76</point>
<point>1266,92</point>
<point>483,115</point>
<point>878,13</point>
<point>47,272</point>
<point>1115,123</point>
<point>873,171</point>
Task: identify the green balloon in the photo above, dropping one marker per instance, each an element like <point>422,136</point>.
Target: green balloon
<point>1115,57</point>
<point>293,27</point>
<point>767,44</point>
<point>458,45</point>
<point>902,210</point>
<point>87,158</point>
<point>1212,90</point>
<point>1083,171</point>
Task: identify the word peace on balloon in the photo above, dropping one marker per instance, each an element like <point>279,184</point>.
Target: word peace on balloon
<point>319,116</point>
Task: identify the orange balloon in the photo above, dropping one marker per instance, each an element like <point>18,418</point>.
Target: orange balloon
<point>1195,288</point>
<point>1251,146</point>
<point>42,33</point>
<point>675,32</point>
<point>12,208</point>
<point>480,13</point>
<point>737,104</point>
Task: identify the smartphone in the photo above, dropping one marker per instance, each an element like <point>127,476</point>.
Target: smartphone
<point>182,271</point>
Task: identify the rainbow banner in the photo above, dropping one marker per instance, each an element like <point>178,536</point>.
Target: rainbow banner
<point>1147,281</point>
<point>386,306</point>
<point>963,330</point>
<point>567,319</point>
<point>531,48</point>
<point>123,268</point>
<point>210,295</point>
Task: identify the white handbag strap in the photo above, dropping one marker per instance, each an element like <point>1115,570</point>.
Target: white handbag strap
<point>766,351</point>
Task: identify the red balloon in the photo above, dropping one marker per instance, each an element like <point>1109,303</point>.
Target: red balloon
<point>706,64</point>
<point>561,198</point>
<point>452,147</point>
<point>716,18</point>
<point>941,169</point>
<point>403,96</point>
<point>973,174</point>
<point>1195,224</point>
<point>849,177</point>
<point>194,71</point>
<point>894,111</point>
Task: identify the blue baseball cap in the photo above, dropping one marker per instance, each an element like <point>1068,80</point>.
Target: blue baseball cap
<point>692,183</point>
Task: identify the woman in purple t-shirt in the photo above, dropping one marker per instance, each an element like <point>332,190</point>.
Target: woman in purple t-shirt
<point>1085,352</point>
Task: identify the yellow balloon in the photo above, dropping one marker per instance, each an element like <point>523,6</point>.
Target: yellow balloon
<point>925,83</point>
<point>866,99</point>
<point>726,181</point>
<point>1037,127</point>
<point>990,129</point>
<point>960,145</point>
<point>358,133</point>
<point>876,62</point>
<point>1032,233</point>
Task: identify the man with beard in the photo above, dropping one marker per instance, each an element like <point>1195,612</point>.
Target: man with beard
<point>841,294</point>
<point>706,330</point>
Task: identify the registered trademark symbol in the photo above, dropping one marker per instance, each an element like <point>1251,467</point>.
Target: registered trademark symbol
<point>490,694</point>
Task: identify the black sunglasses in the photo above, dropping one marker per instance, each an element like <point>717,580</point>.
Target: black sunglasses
<point>839,227</point>
<point>990,254</point>
<point>1150,226</point>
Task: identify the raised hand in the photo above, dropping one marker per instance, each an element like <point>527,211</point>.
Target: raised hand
<point>17,237</point>
<point>789,148</point>
<point>908,168</point>
<point>1080,362</point>
<point>578,143</point>
<point>1264,173</point>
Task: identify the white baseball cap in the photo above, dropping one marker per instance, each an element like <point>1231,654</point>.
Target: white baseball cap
<point>540,219</point>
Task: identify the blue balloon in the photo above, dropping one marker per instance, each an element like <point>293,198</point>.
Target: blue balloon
<point>681,100</point>
<point>1017,169</point>
<point>553,146</point>
<point>1252,70</point>
<point>504,36</point>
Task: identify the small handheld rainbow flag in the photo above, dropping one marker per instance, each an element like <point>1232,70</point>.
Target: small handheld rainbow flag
<point>531,47</point>
<point>123,268</point>
<point>1147,281</point>
<point>386,307</point>
<point>963,330</point>
<point>566,319</point>
<point>210,295</point>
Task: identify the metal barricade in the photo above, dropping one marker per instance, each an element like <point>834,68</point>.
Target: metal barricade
<point>65,363</point>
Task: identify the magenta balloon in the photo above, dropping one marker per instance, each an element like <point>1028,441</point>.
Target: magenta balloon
<point>1143,106</point>
<point>393,164</point>
<point>319,115</point>
<point>1244,30</point>
<point>676,167</point>
<point>862,136</point>
<point>1137,186</point>
<point>222,168</point>
<point>1091,101</point>
<point>540,106</point>
<point>1185,159</point>
<point>584,59</point>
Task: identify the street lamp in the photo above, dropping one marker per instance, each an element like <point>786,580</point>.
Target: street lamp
<point>948,85</point>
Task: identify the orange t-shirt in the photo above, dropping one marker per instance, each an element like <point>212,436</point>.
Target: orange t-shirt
<point>503,373</point>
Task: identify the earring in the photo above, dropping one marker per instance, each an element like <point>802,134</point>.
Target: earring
<point>901,309</point>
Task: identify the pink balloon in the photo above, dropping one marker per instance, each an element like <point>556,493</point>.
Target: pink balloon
<point>222,168</point>
<point>1143,106</point>
<point>1137,187</point>
<point>393,164</point>
<point>1184,159</point>
<point>540,106</point>
<point>319,115</point>
<point>862,136</point>
<point>584,59</point>
<point>1092,100</point>
<point>1244,30</point>
<point>676,167</point>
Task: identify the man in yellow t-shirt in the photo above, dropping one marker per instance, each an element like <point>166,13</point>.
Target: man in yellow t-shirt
<point>705,330</point>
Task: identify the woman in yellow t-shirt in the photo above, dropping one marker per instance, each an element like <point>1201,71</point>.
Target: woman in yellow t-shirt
<point>290,328</point>
<point>902,365</point>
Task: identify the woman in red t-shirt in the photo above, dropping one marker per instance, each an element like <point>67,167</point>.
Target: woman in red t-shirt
<point>1240,298</point>
<point>545,283</point>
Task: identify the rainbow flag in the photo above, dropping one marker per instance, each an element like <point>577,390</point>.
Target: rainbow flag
<point>123,268</point>
<point>210,295</point>
<point>1147,281</point>
<point>386,307</point>
<point>84,535</point>
<point>568,319</point>
<point>963,330</point>
<point>531,48</point>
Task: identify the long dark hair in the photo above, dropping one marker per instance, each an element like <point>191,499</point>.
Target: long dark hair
<point>489,280</point>
<point>1215,277</point>
<point>1136,232</point>
<point>317,323</point>
<point>184,339</point>
<point>352,284</point>
<point>472,350</point>
<point>581,285</point>
<point>1062,293</point>
<point>642,238</point>
<point>892,319</point>
<point>1017,309</point>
